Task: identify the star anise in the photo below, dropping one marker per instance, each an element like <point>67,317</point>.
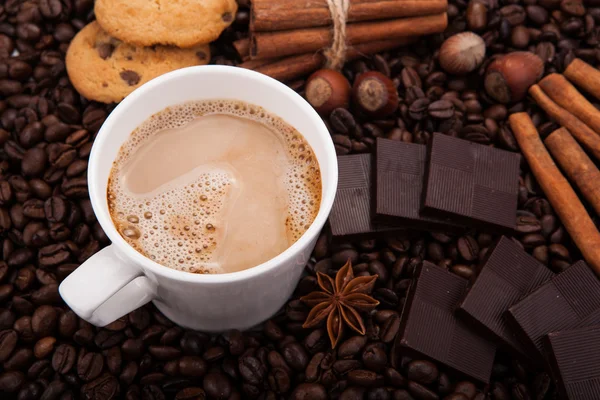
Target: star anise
<point>340,302</point>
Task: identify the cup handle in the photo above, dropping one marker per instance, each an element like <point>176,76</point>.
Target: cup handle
<point>105,287</point>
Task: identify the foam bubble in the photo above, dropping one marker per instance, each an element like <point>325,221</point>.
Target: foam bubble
<point>179,228</point>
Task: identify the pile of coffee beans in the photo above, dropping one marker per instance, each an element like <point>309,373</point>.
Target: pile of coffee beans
<point>47,226</point>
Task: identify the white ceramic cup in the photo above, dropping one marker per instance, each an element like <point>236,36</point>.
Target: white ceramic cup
<point>118,279</point>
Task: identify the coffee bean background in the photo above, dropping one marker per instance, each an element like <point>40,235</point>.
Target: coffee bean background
<point>47,226</point>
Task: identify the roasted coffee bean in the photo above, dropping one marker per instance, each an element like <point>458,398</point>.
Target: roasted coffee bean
<point>44,347</point>
<point>441,109</point>
<point>309,391</point>
<point>44,321</point>
<point>8,342</point>
<point>191,393</point>
<point>374,357</point>
<point>422,371</point>
<point>64,358</point>
<point>468,248</point>
<point>364,378</point>
<point>106,386</point>
<point>11,381</point>
<point>295,356</point>
<point>90,366</point>
<point>19,360</point>
<point>217,386</point>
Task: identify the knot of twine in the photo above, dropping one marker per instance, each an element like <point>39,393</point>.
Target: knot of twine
<point>336,53</point>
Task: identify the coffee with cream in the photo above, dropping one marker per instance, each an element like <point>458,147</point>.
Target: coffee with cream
<point>214,187</point>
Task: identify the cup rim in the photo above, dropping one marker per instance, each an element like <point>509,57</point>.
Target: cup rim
<point>97,189</point>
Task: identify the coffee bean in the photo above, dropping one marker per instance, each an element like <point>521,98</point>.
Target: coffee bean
<point>44,320</point>
<point>421,392</point>
<point>44,347</point>
<point>306,391</point>
<point>53,255</point>
<point>104,387</point>
<point>476,16</point>
<point>192,366</point>
<point>90,366</point>
<point>251,369</point>
<point>191,393</point>
<point>441,109</point>
<point>19,359</point>
<point>365,378</point>
<point>295,356</point>
<point>64,358</point>
<point>422,371</point>
<point>390,328</point>
<point>50,8</point>
<point>8,342</point>
<point>217,386</point>
<point>11,381</point>
<point>350,347</point>
<point>374,357</point>
<point>468,248</point>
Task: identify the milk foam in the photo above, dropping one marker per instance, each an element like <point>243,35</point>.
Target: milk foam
<point>217,215</point>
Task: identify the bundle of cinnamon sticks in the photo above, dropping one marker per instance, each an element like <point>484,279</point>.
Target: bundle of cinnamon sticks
<point>287,36</point>
<point>580,121</point>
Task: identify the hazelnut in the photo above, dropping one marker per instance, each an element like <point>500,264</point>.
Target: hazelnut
<point>327,90</point>
<point>508,77</point>
<point>375,94</point>
<point>462,53</point>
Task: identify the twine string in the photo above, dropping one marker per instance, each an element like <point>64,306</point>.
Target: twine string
<point>336,53</point>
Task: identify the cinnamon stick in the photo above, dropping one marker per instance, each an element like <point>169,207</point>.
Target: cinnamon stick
<point>560,194</point>
<point>576,164</point>
<point>558,88</point>
<point>583,133</point>
<point>290,68</point>
<point>301,41</point>
<point>585,76</point>
<point>277,15</point>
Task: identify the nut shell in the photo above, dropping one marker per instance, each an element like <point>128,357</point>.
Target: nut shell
<point>327,90</point>
<point>375,94</point>
<point>462,53</point>
<point>510,76</point>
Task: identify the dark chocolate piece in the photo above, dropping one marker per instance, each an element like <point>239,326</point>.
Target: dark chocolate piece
<point>573,359</point>
<point>508,274</point>
<point>570,300</point>
<point>399,172</point>
<point>430,328</point>
<point>350,216</point>
<point>474,184</point>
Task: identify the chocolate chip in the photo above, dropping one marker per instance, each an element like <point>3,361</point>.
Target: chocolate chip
<point>132,78</point>
<point>201,55</point>
<point>105,50</point>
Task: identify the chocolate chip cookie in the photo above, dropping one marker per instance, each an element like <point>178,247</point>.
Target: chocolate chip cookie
<point>182,23</point>
<point>106,69</point>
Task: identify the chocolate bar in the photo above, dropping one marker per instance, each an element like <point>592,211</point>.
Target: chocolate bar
<point>350,216</point>
<point>573,359</point>
<point>507,275</point>
<point>399,172</point>
<point>429,327</point>
<point>569,300</point>
<point>475,185</point>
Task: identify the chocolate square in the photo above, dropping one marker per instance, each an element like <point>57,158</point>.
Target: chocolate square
<point>476,185</point>
<point>429,327</point>
<point>399,175</point>
<point>569,300</point>
<point>573,359</point>
<point>507,275</point>
<point>350,216</point>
